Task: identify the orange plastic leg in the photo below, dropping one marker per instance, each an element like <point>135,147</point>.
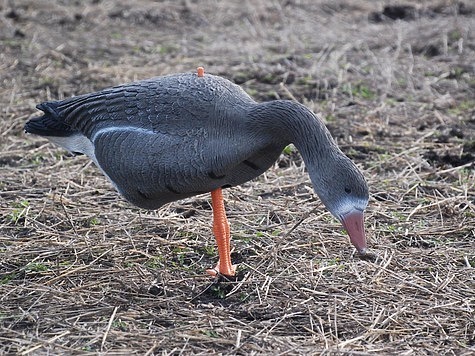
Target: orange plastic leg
<point>222,235</point>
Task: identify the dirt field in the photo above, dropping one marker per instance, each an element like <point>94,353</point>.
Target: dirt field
<point>84,272</point>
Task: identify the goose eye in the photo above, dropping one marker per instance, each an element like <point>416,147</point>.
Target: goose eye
<point>347,190</point>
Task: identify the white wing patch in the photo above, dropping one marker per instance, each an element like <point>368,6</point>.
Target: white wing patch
<point>78,143</point>
<point>75,143</point>
<point>121,129</point>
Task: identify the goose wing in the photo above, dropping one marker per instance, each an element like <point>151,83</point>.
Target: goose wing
<point>167,138</point>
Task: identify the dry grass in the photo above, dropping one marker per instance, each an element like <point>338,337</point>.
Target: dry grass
<point>83,272</point>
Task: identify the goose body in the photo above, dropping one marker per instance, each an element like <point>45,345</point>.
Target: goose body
<point>176,136</point>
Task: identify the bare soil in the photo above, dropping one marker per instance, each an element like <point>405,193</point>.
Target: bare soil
<point>84,272</point>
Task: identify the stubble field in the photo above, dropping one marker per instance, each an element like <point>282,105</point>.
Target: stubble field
<point>84,272</point>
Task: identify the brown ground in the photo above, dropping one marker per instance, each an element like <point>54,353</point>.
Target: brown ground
<point>83,272</point>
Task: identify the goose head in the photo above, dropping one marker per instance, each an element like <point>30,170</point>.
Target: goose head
<point>344,192</point>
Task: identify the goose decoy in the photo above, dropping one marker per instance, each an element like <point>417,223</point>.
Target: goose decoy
<point>176,136</point>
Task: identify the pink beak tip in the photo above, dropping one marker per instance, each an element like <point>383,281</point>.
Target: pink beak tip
<point>354,225</point>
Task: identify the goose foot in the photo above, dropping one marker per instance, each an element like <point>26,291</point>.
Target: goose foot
<point>222,271</point>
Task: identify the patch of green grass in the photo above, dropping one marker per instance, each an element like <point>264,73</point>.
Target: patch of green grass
<point>155,262</point>
<point>46,82</point>
<point>58,154</point>
<point>390,101</point>
<point>36,267</point>
<point>11,42</point>
<point>359,90</point>
<point>392,228</point>
<point>271,95</point>
<point>244,238</point>
<point>210,333</point>
<point>401,82</point>
<point>269,78</point>
<point>243,297</point>
<point>462,107</point>
<point>120,324</point>
<point>252,92</point>
<point>469,214</point>
<point>182,258</point>
<point>330,118</point>
<point>307,80</point>
<point>457,72</point>
<point>117,35</point>
<point>333,261</point>
<point>209,251</point>
<point>471,261</point>
<point>384,157</point>
<point>454,35</point>
<point>183,234</point>
<point>466,174</point>
<point>218,291</point>
<point>470,81</point>
<point>167,49</point>
<point>398,215</point>
<point>20,209</point>
<point>92,221</point>
<point>327,218</point>
<point>8,278</point>
<point>289,149</point>
<point>363,92</point>
<point>36,159</point>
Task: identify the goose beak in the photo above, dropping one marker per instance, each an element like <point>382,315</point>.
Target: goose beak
<point>353,222</point>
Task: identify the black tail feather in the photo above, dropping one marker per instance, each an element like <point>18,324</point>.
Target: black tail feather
<point>50,124</point>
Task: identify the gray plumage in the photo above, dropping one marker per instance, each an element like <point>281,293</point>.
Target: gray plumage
<point>176,136</point>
